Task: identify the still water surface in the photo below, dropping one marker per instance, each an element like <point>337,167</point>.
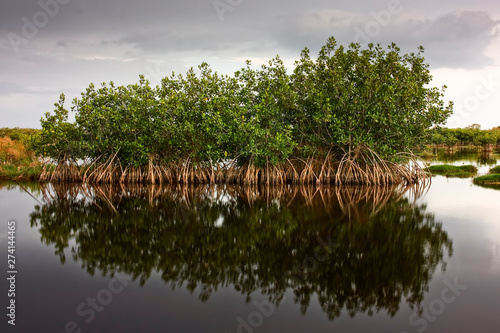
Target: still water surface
<point>232,259</point>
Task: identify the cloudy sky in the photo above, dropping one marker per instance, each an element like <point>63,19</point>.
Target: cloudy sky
<point>48,47</point>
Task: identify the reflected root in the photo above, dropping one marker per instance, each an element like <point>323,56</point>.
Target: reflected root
<point>359,203</point>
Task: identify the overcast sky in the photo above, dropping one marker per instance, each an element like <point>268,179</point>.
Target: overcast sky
<point>49,47</point>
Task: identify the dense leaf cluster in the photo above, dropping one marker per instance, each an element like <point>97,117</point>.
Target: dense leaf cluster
<point>346,99</point>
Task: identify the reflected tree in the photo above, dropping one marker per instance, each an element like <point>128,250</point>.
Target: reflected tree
<point>464,154</point>
<point>360,249</point>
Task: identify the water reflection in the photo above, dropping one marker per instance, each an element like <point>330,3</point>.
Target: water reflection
<point>488,186</point>
<point>360,249</point>
<point>466,155</point>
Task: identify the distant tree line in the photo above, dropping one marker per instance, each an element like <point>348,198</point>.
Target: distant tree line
<point>23,135</point>
<point>469,136</point>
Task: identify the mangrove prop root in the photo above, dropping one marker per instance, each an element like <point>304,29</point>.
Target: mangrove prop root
<point>359,167</point>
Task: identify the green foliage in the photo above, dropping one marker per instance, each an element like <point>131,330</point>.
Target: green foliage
<point>491,179</point>
<point>495,169</point>
<point>496,132</point>
<point>436,138</point>
<point>485,138</point>
<point>471,135</point>
<point>22,135</point>
<point>348,100</point>
<point>450,140</point>
<point>374,97</point>
<point>266,132</point>
<point>444,136</point>
<point>465,136</point>
<point>58,138</point>
<point>20,172</point>
<point>117,120</point>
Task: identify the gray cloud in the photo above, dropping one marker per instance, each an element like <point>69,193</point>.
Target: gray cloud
<point>154,27</point>
<point>455,40</point>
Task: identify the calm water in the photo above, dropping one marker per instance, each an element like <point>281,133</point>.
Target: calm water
<point>217,259</point>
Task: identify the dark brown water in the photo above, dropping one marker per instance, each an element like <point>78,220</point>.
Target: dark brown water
<point>224,259</point>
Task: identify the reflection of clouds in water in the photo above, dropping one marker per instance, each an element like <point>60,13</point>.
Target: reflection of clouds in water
<point>495,264</point>
<point>219,222</point>
<point>482,161</point>
<point>493,233</point>
<point>3,233</point>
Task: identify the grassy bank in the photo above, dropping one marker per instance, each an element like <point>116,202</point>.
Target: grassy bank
<point>447,170</point>
<point>492,178</point>
<point>21,172</point>
<point>495,170</point>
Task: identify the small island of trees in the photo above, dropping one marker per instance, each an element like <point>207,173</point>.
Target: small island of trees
<point>351,116</point>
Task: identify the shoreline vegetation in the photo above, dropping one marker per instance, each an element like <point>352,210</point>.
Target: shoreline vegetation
<point>17,159</point>
<point>492,178</point>
<point>349,117</point>
<point>471,136</point>
<point>32,169</point>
